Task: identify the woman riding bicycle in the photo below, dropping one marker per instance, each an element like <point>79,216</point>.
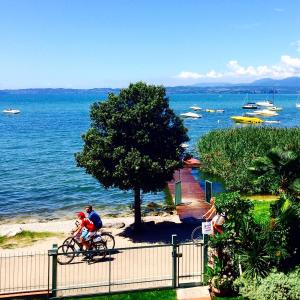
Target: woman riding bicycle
<point>87,230</point>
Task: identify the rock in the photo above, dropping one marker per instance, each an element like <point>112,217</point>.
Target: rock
<point>10,232</point>
<point>117,225</point>
<point>153,205</point>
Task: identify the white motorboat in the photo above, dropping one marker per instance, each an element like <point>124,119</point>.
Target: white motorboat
<point>195,108</point>
<point>251,113</point>
<point>275,108</point>
<point>11,111</point>
<point>250,105</point>
<point>184,145</point>
<point>191,115</point>
<point>272,121</point>
<point>266,103</point>
<point>298,105</point>
<point>266,112</point>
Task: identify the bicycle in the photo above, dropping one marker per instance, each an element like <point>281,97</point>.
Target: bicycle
<point>67,251</point>
<point>196,235</point>
<point>106,237</point>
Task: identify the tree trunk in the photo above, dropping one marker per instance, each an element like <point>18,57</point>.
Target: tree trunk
<point>137,209</point>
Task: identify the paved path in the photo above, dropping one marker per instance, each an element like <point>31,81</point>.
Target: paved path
<point>194,293</point>
<point>193,202</point>
<point>125,269</point>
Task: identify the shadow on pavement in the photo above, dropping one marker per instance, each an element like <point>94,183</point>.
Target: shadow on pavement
<point>159,232</point>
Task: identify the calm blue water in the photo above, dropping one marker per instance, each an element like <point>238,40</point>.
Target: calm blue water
<point>38,172</point>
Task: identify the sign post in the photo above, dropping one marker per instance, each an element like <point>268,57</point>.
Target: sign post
<point>208,190</point>
<point>177,192</point>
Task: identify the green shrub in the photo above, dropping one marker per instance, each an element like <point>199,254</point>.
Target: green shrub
<point>168,198</point>
<point>276,286</point>
<point>228,154</point>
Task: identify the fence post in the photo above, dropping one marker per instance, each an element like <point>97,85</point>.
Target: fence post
<point>174,260</point>
<point>205,255</point>
<point>53,253</point>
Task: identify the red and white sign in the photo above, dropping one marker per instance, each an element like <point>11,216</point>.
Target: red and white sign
<point>207,228</point>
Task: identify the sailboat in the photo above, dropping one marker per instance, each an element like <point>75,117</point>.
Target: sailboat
<point>249,105</point>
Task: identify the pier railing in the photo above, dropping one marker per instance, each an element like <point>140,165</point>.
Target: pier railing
<point>123,269</point>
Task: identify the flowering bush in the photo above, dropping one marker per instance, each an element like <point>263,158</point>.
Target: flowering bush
<point>223,282</point>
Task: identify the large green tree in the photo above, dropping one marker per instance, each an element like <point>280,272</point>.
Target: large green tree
<point>134,142</point>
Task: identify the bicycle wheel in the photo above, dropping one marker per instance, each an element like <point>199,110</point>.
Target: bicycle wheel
<point>72,242</point>
<point>65,254</point>
<point>197,236</point>
<point>100,249</point>
<point>108,239</point>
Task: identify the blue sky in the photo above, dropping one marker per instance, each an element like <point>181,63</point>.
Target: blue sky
<point>86,44</point>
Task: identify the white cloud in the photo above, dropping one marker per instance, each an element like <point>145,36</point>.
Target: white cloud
<point>287,66</point>
<point>290,61</point>
<point>190,75</point>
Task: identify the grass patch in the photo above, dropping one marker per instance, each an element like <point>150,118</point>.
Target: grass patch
<point>229,298</point>
<point>151,295</point>
<point>262,210</point>
<point>25,238</point>
<point>168,198</point>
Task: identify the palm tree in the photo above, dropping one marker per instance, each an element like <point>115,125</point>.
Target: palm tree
<point>283,166</point>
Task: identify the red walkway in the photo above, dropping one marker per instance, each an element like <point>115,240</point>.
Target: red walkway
<point>193,203</point>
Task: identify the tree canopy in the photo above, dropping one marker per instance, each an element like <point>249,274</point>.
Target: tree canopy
<point>134,142</point>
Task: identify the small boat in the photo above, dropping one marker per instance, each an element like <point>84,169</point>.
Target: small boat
<point>214,110</point>
<point>266,103</point>
<point>195,108</point>
<point>11,111</point>
<point>272,121</point>
<point>298,105</point>
<point>253,113</point>
<point>247,120</point>
<point>275,108</point>
<point>266,112</point>
<point>191,115</point>
<point>250,105</point>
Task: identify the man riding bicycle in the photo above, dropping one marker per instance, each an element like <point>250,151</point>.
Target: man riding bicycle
<point>93,216</point>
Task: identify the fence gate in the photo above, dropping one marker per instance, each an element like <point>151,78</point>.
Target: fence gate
<point>190,264</point>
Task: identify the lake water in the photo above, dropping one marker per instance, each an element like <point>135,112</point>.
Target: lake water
<point>38,174</point>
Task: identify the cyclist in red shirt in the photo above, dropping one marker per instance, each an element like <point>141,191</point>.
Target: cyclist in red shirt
<point>87,229</point>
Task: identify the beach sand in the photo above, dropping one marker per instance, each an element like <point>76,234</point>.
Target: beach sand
<point>157,229</point>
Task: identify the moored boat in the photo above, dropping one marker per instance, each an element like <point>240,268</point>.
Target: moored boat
<point>272,121</point>
<point>250,105</point>
<point>266,103</point>
<point>266,112</point>
<point>11,111</point>
<point>195,108</point>
<point>275,108</point>
<point>190,115</point>
<point>298,105</point>
<point>247,119</point>
<point>214,110</point>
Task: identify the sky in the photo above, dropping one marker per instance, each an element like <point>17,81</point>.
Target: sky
<point>92,44</point>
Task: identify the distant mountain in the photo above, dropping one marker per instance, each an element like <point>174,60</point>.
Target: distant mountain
<point>290,85</point>
<point>264,82</point>
<point>286,82</point>
<point>212,84</point>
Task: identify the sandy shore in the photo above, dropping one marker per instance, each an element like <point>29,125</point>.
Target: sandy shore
<point>158,229</point>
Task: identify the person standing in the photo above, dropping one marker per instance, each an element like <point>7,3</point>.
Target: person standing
<point>93,216</point>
